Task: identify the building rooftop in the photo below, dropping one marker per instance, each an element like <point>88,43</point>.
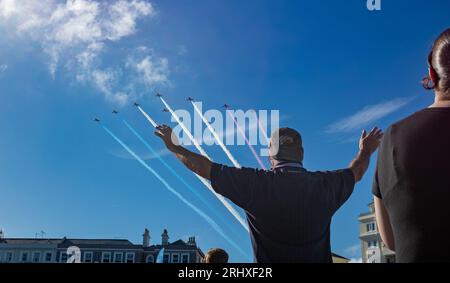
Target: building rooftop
<point>99,243</point>
<point>338,256</point>
<point>23,241</point>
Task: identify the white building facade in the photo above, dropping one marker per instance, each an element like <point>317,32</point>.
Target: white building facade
<point>372,247</point>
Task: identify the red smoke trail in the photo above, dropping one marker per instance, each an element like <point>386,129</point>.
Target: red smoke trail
<point>246,140</point>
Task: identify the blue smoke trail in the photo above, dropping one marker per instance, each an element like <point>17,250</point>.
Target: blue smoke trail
<point>211,222</point>
<point>171,170</point>
<point>160,257</point>
<point>227,205</point>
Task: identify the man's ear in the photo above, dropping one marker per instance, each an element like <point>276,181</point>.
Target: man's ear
<point>270,160</point>
<point>434,76</point>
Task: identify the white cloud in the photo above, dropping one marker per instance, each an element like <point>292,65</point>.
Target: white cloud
<point>150,70</point>
<point>7,7</point>
<point>182,50</point>
<point>125,14</point>
<point>87,57</point>
<point>105,81</point>
<point>367,115</point>
<point>353,251</point>
<point>75,33</point>
<point>3,68</point>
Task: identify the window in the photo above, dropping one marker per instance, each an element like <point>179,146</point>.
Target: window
<point>106,257</point>
<point>166,258</point>
<point>36,257</point>
<point>118,257</point>
<point>88,257</point>
<point>390,259</point>
<point>370,227</point>
<point>1,257</point>
<point>48,257</point>
<point>130,258</point>
<point>63,257</point>
<point>24,257</point>
<point>372,244</point>
<point>185,258</point>
<point>150,259</point>
<point>9,257</point>
<point>175,258</point>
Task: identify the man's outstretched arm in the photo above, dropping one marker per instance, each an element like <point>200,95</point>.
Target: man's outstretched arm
<point>195,162</point>
<point>368,144</point>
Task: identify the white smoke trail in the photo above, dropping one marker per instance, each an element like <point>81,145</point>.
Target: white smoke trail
<point>227,205</point>
<point>205,182</point>
<point>186,131</point>
<point>216,137</point>
<point>208,219</point>
<point>148,117</point>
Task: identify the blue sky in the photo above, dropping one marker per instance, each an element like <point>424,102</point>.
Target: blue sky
<point>330,67</point>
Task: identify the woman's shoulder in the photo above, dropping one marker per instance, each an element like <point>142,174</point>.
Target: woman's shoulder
<point>409,120</point>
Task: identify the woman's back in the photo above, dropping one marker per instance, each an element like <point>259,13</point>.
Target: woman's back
<point>413,181</point>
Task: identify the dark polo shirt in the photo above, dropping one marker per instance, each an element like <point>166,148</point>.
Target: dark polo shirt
<point>289,209</point>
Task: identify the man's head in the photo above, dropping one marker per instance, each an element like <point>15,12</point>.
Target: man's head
<point>216,256</point>
<point>285,146</point>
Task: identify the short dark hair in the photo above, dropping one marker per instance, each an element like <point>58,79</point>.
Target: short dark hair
<point>216,256</point>
<point>439,62</point>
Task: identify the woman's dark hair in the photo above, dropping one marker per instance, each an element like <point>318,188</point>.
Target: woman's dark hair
<point>439,61</point>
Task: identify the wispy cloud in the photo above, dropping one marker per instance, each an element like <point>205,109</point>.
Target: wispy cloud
<point>367,115</point>
<point>3,68</point>
<point>353,251</point>
<point>148,68</point>
<point>182,50</point>
<point>75,33</point>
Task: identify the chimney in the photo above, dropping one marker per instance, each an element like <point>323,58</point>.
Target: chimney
<point>165,238</point>
<point>146,238</point>
<point>1,234</point>
<point>191,242</point>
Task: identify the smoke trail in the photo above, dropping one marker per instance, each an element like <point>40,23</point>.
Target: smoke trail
<point>210,221</point>
<point>262,129</point>
<point>227,205</point>
<point>148,117</point>
<point>182,180</point>
<point>205,182</point>
<point>160,257</point>
<point>186,131</point>
<point>247,141</point>
<point>216,137</point>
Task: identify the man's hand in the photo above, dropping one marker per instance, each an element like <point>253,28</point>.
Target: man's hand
<point>169,139</point>
<point>368,144</point>
<point>195,162</point>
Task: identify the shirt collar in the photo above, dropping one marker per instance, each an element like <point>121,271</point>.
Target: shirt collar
<point>288,164</point>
